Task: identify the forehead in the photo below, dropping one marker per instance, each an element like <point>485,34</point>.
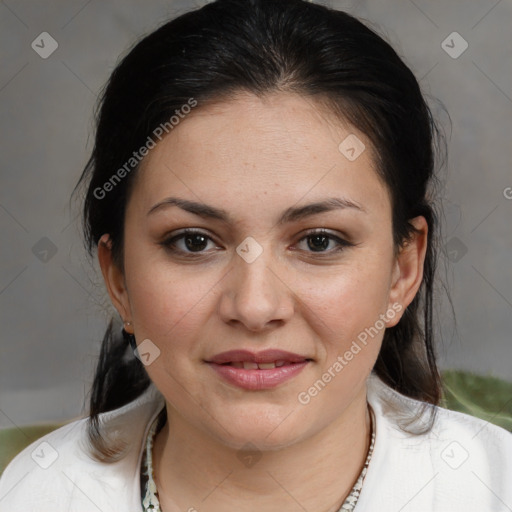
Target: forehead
<point>278,146</point>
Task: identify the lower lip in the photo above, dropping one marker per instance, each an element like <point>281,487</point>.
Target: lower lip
<point>258,379</point>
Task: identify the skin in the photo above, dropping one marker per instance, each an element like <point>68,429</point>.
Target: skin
<point>256,157</point>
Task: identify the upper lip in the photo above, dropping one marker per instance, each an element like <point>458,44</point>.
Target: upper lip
<point>265,356</point>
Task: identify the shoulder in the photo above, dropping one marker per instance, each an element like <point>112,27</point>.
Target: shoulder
<point>459,463</point>
<point>59,470</point>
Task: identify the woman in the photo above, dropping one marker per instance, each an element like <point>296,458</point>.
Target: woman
<point>260,196</point>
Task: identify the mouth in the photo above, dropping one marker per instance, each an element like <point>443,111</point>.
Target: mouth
<point>258,371</point>
<point>246,357</point>
<point>251,365</point>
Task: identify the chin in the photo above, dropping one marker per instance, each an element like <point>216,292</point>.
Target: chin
<point>258,440</point>
<point>265,430</point>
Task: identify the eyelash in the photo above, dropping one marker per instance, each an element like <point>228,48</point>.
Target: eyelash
<point>170,243</point>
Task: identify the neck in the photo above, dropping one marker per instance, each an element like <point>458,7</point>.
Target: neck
<point>193,470</point>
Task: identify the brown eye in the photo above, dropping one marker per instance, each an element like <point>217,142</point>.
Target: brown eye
<point>189,241</point>
<point>320,241</point>
<point>195,242</point>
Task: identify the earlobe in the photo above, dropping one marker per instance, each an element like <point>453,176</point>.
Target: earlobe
<point>408,270</point>
<point>113,278</point>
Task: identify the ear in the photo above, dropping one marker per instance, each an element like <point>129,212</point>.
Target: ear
<point>114,279</point>
<point>408,268</point>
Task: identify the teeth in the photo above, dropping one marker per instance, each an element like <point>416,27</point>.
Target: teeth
<point>251,365</point>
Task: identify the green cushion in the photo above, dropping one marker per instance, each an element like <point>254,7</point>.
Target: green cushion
<point>13,440</point>
<point>485,397</point>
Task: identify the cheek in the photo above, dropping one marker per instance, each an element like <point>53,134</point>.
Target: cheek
<point>168,303</point>
<point>348,301</point>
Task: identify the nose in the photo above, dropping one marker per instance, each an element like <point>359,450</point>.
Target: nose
<point>255,295</point>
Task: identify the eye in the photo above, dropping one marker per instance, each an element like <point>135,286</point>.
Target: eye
<point>319,241</point>
<point>188,241</point>
<point>192,241</point>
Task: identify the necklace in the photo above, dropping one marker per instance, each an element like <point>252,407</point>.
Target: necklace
<point>150,502</point>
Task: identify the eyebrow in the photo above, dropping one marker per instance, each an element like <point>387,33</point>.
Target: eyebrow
<point>291,214</point>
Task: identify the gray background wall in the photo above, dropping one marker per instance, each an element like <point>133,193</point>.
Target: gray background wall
<point>53,307</point>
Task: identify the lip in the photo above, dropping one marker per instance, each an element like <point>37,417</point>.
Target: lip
<point>258,379</point>
<point>265,356</point>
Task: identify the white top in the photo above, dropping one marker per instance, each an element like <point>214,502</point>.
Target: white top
<point>463,464</point>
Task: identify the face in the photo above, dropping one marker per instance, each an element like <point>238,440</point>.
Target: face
<point>262,271</point>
